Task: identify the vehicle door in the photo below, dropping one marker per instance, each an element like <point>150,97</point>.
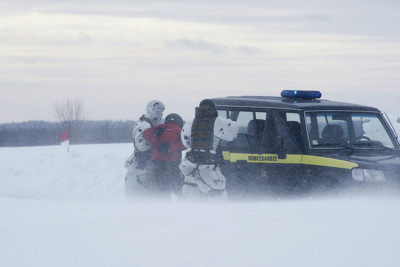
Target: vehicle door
<point>265,152</point>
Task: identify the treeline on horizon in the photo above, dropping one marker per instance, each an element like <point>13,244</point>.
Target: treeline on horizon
<point>41,133</point>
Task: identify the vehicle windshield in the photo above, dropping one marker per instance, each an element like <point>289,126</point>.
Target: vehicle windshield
<point>333,130</point>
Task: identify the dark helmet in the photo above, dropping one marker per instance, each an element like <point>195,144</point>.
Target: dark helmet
<point>173,117</point>
<point>207,104</point>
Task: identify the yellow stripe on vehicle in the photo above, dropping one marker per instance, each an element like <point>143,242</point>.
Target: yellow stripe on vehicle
<point>264,158</point>
<point>226,155</point>
<point>328,162</point>
<point>290,159</point>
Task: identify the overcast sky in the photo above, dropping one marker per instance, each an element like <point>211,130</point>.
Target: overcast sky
<point>117,55</point>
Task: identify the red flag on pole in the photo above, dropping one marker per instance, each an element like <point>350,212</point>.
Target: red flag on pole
<point>65,140</point>
<point>65,136</point>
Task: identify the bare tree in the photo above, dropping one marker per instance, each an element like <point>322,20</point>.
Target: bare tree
<point>70,113</point>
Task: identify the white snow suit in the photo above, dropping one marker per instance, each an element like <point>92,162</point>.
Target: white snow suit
<point>139,179</point>
<point>206,180</point>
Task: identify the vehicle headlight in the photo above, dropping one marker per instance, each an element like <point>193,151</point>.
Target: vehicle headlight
<point>366,175</point>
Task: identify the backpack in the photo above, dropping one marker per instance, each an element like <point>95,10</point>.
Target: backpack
<point>202,135</point>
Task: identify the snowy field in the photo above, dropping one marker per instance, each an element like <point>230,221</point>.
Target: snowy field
<point>67,209</point>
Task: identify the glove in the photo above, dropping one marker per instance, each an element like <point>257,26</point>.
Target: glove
<point>159,131</point>
<point>163,148</point>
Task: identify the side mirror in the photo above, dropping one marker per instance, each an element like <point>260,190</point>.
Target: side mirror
<point>280,145</point>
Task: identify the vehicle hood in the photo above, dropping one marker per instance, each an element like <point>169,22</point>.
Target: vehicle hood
<point>380,162</point>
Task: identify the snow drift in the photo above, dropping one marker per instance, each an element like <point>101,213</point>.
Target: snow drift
<point>87,171</point>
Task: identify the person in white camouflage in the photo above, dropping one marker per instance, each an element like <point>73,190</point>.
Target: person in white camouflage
<point>138,179</point>
<point>200,167</point>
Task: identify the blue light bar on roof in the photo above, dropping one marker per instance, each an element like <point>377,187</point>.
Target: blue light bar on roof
<point>301,94</point>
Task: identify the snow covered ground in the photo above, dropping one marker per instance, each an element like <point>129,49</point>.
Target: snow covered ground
<point>67,209</point>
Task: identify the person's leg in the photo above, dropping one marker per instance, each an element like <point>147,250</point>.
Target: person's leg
<point>217,194</point>
<point>138,182</point>
<point>191,192</point>
<point>158,175</point>
<point>130,183</point>
<point>166,173</point>
<point>175,179</point>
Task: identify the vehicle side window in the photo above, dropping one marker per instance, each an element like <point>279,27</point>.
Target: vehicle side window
<point>251,130</point>
<point>258,132</point>
<point>292,120</point>
<point>260,115</point>
<point>328,129</point>
<point>273,128</point>
<point>288,136</point>
<point>293,116</point>
<point>243,120</point>
<point>328,119</point>
<point>222,113</point>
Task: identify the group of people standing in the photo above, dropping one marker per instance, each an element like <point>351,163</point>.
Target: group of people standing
<point>156,167</point>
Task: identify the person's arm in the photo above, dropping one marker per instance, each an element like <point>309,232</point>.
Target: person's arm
<point>140,143</point>
<point>226,129</point>
<point>186,134</point>
<point>171,141</point>
<point>148,134</point>
<point>153,134</point>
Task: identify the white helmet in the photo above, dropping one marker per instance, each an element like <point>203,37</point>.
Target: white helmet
<point>154,111</point>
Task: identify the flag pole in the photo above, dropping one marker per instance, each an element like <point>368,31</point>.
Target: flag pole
<point>65,140</point>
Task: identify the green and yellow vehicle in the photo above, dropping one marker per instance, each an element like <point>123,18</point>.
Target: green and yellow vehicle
<point>299,140</point>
